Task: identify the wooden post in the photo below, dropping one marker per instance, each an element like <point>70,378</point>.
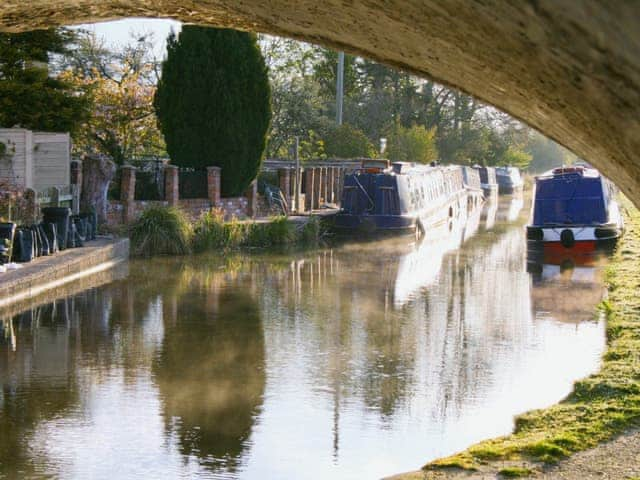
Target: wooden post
<point>284,179</point>
<point>317,180</point>
<point>76,185</point>
<point>309,174</point>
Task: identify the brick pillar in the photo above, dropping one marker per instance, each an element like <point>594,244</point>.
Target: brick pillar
<point>284,179</point>
<point>172,185</point>
<point>308,188</point>
<point>252,199</point>
<point>317,189</point>
<point>214,176</point>
<point>127,192</point>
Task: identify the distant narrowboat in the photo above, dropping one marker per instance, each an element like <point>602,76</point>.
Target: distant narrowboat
<point>574,207</point>
<point>488,181</point>
<point>509,180</point>
<point>401,198</point>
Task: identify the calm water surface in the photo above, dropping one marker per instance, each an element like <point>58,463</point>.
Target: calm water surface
<point>356,361</point>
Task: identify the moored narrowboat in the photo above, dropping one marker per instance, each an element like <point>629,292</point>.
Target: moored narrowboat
<point>400,198</point>
<point>488,181</point>
<point>509,180</point>
<point>574,208</point>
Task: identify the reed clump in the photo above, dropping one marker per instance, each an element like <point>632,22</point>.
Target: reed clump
<point>167,230</point>
<point>161,231</point>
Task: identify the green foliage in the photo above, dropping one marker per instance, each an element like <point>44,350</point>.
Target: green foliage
<point>515,472</point>
<point>121,85</point>
<point>29,96</point>
<point>278,232</point>
<point>213,103</point>
<point>413,144</point>
<point>161,230</point>
<point>212,234</point>
<point>346,141</point>
<point>516,158</point>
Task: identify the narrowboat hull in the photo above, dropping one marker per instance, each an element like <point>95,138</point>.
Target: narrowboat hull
<point>575,236</point>
<point>345,223</point>
<point>510,189</point>
<point>490,190</point>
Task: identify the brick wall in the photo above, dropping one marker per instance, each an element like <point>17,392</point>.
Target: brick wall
<point>127,209</point>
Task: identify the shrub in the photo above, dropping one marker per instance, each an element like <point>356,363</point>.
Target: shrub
<point>209,232</point>
<point>415,144</point>
<point>161,230</point>
<point>346,141</point>
<point>279,231</point>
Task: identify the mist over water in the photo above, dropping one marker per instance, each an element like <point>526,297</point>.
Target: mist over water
<point>355,361</point>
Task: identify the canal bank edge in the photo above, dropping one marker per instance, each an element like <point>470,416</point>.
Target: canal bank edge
<point>47,273</point>
<point>601,416</point>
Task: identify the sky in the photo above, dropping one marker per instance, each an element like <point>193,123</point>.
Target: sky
<point>119,32</point>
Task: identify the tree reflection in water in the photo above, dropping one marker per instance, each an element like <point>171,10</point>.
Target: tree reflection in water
<point>210,369</point>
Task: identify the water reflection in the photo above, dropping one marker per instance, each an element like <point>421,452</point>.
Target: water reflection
<point>360,360</point>
<point>210,369</point>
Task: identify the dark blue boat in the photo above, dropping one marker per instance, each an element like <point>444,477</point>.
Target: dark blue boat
<point>488,181</point>
<point>509,180</point>
<point>402,198</point>
<point>574,207</point>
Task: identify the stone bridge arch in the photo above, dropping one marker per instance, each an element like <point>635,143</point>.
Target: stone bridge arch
<point>570,68</point>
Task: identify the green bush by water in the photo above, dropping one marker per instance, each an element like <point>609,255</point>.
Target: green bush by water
<point>211,233</point>
<point>161,230</point>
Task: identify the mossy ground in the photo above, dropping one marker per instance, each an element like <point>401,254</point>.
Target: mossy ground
<point>600,406</point>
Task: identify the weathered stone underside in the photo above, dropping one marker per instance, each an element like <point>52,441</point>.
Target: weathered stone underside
<point>570,68</point>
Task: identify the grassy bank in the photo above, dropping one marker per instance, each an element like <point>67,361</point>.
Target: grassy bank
<point>600,406</point>
<point>168,231</point>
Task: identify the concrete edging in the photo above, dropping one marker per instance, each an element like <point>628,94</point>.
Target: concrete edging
<point>46,273</point>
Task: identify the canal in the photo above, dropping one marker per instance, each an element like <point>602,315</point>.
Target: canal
<point>356,361</point>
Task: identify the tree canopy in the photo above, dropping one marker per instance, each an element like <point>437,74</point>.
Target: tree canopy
<point>213,103</point>
<point>121,83</point>
<point>29,96</point>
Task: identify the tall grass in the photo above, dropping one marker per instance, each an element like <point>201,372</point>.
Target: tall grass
<point>166,230</point>
<point>161,230</point>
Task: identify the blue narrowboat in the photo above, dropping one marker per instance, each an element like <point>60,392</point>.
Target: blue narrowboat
<point>401,198</point>
<point>574,208</point>
<point>488,181</point>
<point>509,180</point>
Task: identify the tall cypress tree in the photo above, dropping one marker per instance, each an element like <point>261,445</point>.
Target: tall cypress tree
<point>213,103</point>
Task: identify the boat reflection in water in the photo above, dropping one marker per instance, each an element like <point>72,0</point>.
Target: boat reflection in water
<point>509,209</point>
<point>567,282</point>
<point>356,361</point>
